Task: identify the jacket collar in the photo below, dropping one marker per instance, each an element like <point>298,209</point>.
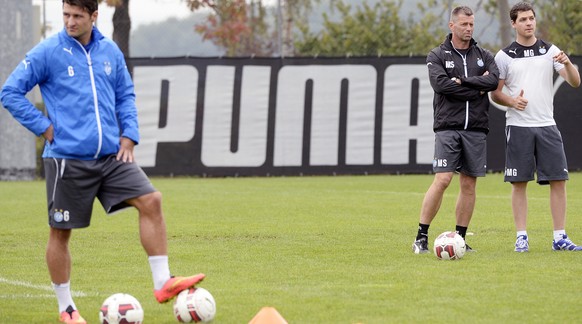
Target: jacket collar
<point>449,44</point>
<point>96,36</point>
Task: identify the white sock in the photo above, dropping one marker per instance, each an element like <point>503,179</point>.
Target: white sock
<point>63,292</point>
<point>519,233</point>
<point>559,234</point>
<point>160,270</point>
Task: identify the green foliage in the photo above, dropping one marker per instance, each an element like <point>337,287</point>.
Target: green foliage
<point>378,29</point>
<point>370,30</point>
<point>246,28</point>
<point>561,24</point>
<point>318,249</point>
<point>231,25</point>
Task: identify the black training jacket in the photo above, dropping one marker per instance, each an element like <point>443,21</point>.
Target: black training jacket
<point>464,106</point>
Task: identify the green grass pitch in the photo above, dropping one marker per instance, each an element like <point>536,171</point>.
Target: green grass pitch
<point>318,249</point>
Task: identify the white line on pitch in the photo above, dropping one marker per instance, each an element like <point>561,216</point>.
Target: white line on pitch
<point>39,287</point>
<point>23,296</point>
<point>409,193</point>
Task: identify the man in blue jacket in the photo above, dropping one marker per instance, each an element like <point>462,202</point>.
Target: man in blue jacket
<point>461,73</point>
<point>90,130</point>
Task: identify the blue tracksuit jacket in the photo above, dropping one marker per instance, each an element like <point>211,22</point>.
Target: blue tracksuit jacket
<point>87,91</point>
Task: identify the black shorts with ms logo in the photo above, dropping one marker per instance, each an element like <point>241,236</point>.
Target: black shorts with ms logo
<point>460,151</point>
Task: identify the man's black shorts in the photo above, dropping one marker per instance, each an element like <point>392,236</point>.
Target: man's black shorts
<point>461,151</point>
<point>73,185</point>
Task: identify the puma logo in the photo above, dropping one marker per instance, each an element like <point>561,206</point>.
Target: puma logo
<point>26,63</point>
<point>514,51</point>
<point>68,50</point>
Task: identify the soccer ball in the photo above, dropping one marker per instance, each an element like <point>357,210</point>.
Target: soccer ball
<point>194,305</point>
<point>449,246</point>
<point>121,308</point>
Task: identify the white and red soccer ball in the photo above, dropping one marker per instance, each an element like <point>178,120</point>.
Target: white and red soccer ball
<point>121,309</point>
<point>449,246</point>
<point>194,305</point>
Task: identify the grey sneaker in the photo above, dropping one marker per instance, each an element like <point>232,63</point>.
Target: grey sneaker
<point>468,248</point>
<point>420,246</point>
<point>521,244</point>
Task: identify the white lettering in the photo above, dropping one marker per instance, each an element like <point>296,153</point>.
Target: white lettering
<point>397,130</point>
<point>511,172</point>
<point>325,117</point>
<point>181,110</point>
<point>341,99</point>
<point>218,111</point>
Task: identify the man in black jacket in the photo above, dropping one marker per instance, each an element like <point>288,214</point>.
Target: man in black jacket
<point>461,73</point>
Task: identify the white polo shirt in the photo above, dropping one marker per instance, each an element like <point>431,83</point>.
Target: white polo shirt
<point>530,68</point>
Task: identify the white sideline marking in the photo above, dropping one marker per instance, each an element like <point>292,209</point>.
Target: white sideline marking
<point>23,296</point>
<point>381,192</point>
<point>33,286</point>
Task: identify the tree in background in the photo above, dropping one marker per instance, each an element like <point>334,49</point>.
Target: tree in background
<point>121,24</point>
<point>293,13</point>
<point>234,25</point>
<point>246,28</point>
<point>379,29</point>
<point>372,30</point>
<point>502,12</point>
<point>561,23</point>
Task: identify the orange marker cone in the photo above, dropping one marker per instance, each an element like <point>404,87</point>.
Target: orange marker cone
<point>268,315</point>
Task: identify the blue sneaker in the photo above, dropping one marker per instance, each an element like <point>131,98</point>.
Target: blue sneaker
<point>565,245</point>
<point>521,244</point>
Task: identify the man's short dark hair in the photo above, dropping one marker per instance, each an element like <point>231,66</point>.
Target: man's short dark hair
<point>461,10</point>
<point>89,5</point>
<point>520,7</point>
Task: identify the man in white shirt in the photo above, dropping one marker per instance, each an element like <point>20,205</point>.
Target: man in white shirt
<point>533,141</point>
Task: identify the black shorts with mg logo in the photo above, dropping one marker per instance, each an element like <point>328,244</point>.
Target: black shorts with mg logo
<point>530,150</point>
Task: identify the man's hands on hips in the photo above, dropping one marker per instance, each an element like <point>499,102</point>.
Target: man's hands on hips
<point>125,153</point>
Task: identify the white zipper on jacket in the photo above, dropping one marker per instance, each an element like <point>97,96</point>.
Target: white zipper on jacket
<point>96,104</point>
<point>464,57</point>
<point>466,102</point>
<point>95,101</point>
